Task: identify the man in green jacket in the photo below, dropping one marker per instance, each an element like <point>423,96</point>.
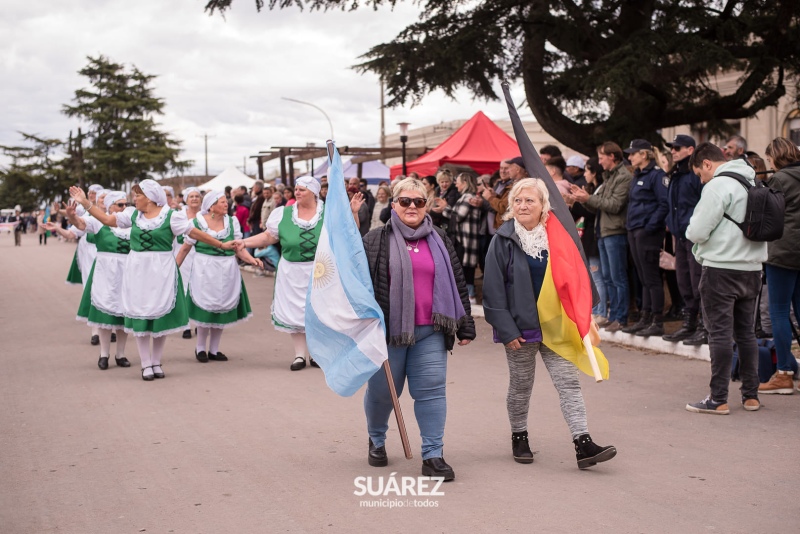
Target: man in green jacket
<point>731,277</point>
<point>610,203</point>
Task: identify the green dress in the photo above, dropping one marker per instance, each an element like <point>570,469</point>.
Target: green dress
<point>152,290</point>
<point>217,295</point>
<point>101,304</point>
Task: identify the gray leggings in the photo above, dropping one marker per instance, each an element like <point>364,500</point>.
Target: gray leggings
<point>522,369</point>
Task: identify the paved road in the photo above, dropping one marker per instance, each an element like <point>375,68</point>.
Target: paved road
<point>248,446</point>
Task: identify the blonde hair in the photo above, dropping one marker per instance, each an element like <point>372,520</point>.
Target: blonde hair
<point>446,174</point>
<point>410,184</point>
<point>529,183</point>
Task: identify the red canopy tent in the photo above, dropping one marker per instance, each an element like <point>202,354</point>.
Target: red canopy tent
<point>479,143</point>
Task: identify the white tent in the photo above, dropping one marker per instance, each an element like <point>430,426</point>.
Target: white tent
<point>230,177</point>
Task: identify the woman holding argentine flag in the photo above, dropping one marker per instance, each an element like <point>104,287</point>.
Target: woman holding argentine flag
<point>420,286</point>
<point>528,264</point>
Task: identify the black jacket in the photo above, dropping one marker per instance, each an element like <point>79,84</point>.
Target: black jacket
<point>783,252</point>
<point>647,201</point>
<point>508,296</point>
<point>376,246</point>
<point>683,195</point>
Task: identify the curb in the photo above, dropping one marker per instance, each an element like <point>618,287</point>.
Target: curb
<point>656,344</point>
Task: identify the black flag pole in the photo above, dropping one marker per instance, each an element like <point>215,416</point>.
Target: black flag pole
<point>536,168</point>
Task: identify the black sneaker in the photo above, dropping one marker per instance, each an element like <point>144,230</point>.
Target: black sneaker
<point>709,406</point>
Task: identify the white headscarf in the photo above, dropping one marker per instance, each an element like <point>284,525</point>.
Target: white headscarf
<point>188,190</point>
<point>104,192</point>
<point>310,183</point>
<point>112,197</point>
<point>210,199</point>
<point>170,189</point>
<point>153,191</point>
<point>96,188</point>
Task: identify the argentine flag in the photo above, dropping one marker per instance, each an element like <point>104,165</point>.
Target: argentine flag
<point>345,328</point>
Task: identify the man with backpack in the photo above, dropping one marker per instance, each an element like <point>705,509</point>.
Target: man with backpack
<point>731,275</point>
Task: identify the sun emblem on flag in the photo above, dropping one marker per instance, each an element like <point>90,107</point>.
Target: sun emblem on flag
<point>324,270</point>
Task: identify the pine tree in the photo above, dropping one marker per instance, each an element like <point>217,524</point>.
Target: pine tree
<point>124,142</point>
<point>593,70</point>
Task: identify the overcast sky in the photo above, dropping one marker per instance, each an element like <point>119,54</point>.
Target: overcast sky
<point>223,77</point>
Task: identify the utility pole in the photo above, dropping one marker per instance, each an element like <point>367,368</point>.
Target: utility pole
<point>205,140</point>
<point>383,122</point>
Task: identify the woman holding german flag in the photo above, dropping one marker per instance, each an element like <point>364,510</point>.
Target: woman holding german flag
<point>533,283</point>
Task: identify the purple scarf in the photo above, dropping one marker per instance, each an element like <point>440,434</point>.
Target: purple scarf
<point>448,309</point>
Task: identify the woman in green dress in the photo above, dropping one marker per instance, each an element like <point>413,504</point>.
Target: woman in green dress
<point>153,299</point>
<point>217,298</point>
<point>101,305</point>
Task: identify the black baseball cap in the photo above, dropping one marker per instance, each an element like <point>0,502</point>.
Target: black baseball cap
<point>637,145</point>
<point>517,161</point>
<point>682,141</point>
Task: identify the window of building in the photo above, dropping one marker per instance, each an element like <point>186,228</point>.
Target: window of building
<point>791,127</point>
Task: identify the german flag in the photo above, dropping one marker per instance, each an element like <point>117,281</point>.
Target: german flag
<point>565,301</point>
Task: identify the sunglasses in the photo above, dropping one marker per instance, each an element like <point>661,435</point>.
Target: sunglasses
<point>405,202</point>
<point>121,204</point>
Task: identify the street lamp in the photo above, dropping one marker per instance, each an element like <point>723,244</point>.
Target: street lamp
<point>315,107</point>
<point>403,139</point>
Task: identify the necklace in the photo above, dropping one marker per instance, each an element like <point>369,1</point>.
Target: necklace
<point>413,247</point>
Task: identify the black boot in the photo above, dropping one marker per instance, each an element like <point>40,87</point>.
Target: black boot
<point>520,448</point>
<point>437,467</point>
<point>644,322</point>
<point>656,328</point>
<point>688,328</point>
<point>700,337</point>
<point>377,455</point>
<point>589,454</point>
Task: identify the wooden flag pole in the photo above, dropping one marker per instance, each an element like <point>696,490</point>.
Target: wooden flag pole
<point>598,377</point>
<point>401,425</point>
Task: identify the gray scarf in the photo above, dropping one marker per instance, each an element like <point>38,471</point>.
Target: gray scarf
<point>448,310</point>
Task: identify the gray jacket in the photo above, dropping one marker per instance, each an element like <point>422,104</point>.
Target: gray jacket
<point>783,252</point>
<point>610,201</point>
<point>508,297</point>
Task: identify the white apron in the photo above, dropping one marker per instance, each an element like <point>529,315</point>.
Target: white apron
<point>216,283</point>
<point>107,284</point>
<point>150,284</point>
<point>87,252</point>
<point>289,303</point>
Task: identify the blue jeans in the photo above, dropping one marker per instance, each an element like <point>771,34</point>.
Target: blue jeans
<point>783,286</point>
<point>597,276</point>
<point>425,365</point>
<point>614,264</point>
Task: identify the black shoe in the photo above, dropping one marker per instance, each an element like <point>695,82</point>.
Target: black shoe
<point>218,357</point>
<point>643,323</point>
<point>312,362</point>
<point>187,334</point>
<point>377,455</point>
<point>150,377</point>
<point>589,454</point>
<point>674,313</point>
<point>102,363</point>
<point>201,356</point>
<point>95,340</point>
<point>298,363</point>
<point>700,337</point>
<point>656,328</point>
<point>686,330</point>
<point>520,448</point>
<point>158,372</point>
<point>113,337</point>
<point>437,467</point>
<point>122,362</point>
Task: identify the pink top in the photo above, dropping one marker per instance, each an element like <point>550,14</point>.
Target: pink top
<point>242,213</point>
<point>424,270</point>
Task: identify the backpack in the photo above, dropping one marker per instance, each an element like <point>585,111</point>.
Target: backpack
<point>763,220</point>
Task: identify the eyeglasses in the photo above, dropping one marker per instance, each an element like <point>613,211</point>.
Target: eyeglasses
<point>405,202</point>
<point>121,204</point>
